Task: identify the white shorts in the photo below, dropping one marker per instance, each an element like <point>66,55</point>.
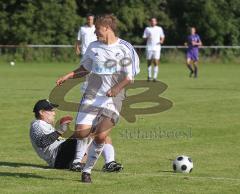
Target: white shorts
<point>153,54</point>
<point>90,110</point>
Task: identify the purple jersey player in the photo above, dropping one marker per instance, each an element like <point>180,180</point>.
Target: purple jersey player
<point>193,44</point>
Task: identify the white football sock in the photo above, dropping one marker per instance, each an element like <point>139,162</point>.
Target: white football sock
<point>81,149</point>
<point>108,153</point>
<point>94,152</point>
<point>155,72</point>
<point>150,71</point>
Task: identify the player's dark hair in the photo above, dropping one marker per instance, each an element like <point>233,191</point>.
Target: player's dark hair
<point>152,18</point>
<point>37,115</point>
<point>89,14</point>
<point>107,20</point>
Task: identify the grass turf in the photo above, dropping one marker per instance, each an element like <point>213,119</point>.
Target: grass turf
<point>206,110</point>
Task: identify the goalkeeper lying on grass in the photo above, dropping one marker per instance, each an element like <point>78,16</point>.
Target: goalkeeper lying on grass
<point>60,153</point>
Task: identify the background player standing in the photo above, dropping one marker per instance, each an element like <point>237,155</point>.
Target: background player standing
<point>155,37</point>
<point>193,43</point>
<point>86,35</point>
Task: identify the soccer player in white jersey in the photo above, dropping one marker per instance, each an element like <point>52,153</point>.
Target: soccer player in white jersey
<point>155,37</point>
<point>110,65</point>
<point>86,35</point>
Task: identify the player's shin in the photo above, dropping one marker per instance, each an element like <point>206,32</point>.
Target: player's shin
<point>195,70</point>
<point>190,68</point>
<point>149,62</point>
<point>108,153</point>
<point>94,152</point>
<point>81,149</point>
<point>155,72</point>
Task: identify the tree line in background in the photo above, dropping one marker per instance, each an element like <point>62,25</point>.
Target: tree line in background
<point>58,21</point>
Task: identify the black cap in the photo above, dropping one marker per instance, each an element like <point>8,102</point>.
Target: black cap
<point>44,105</point>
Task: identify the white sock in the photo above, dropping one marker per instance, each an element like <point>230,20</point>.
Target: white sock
<point>155,72</point>
<point>150,71</point>
<point>94,152</point>
<point>81,149</point>
<point>108,153</point>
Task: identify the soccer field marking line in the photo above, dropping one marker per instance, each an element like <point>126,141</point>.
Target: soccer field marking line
<point>185,177</point>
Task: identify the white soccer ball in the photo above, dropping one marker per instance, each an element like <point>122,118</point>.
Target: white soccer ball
<point>12,63</point>
<point>183,164</point>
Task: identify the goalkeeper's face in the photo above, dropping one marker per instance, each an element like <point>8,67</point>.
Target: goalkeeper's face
<point>48,116</point>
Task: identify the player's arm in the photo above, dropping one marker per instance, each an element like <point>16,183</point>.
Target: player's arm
<point>118,87</point>
<point>42,139</point>
<point>146,34</point>
<point>162,39</point>
<point>194,43</point>
<point>197,43</point>
<point>78,43</point>
<point>162,36</point>
<point>77,73</point>
<point>78,47</point>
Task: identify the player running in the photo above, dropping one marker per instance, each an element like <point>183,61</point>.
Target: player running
<point>110,64</point>
<point>155,37</point>
<point>193,43</point>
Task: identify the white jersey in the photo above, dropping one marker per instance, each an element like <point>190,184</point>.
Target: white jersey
<point>105,61</point>
<point>86,35</point>
<point>45,141</point>
<point>153,35</point>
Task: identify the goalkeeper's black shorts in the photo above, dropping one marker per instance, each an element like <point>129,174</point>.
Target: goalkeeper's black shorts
<point>66,154</point>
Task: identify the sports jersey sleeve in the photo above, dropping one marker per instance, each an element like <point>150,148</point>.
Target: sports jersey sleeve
<point>198,38</point>
<point>79,34</point>
<point>189,40</point>
<point>145,33</point>
<point>162,35</point>
<point>130,64</point>
<point>39,136</point>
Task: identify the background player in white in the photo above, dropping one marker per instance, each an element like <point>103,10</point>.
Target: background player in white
<point>111,64</point>
<point>86,35</point>
<point>155,37</point>
<point>58,152</point>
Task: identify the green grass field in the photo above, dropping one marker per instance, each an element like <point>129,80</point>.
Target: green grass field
<point>208,107</point>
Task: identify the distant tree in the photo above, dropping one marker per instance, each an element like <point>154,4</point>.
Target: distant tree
<point>57,21</point>
<point>38,22</point>
<point>217,21</point>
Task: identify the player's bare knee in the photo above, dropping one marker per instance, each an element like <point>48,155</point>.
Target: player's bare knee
<point>81,133</point>
<point>100,138</point>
